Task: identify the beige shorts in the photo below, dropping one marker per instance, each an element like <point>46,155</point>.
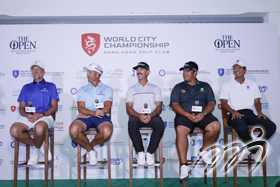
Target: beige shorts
<point>48,119</point>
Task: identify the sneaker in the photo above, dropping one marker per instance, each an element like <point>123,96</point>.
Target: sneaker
<point>243,154</point>
<point>207,158</point>
<point>257,156</point>
<point>42,152</point>
<point>141,158</point>
<point>184,172</point>
<point>150,159</point>
<point>92,157</point>
<point>33,160</point>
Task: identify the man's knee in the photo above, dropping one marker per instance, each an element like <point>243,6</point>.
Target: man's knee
<point>106,132</point>
<point>40,128</point>
<point>74,130</point>
<point>214,127</point>
<point>16,129</point>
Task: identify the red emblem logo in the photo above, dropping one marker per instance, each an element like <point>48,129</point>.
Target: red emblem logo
<point>90,43</point>
<point>220,106</point>
<point>13,108</point>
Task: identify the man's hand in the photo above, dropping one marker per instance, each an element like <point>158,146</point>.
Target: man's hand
<point>196,118</point>
<point>145,118</point>
<point>262,115</point>
<point>34,117</point>
<point>99,113</point>
<point>235,114</point>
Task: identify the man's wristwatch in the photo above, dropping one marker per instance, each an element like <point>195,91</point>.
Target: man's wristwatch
<point>231,110</point>
<point>204,113</point>
<point>88,115</point>
<point>43,114</point>
<point>154,113</point>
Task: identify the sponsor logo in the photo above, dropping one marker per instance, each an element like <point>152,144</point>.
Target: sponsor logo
<point>201,90</point>
<point>221,142</point>
<point>219,106</point>
<point>117,73</point>
<point>44,90</point>
<point>221,71</point>
<point>174,160</point>
<point>73,108</point>
<point>254,72</point>
<point>16,92</point>
<point>169,143</point>
<point>54,74</point>
<point>162,73</point>
<point>166,107</point>
<point>166,89</point>
<point>58,126</point>
<point>1,161</point>
<point>204,72</point>
<point>74,144</point>
<point>22,45</point>
<point>115,106</point>
<point>1,143</point>
<point>165,124</point>
<point>2,74</point>
<point>197,143</point>
<point>265,105</point>
<point>59,90</point>
<point>263,89</point>
<point>2,110</point>
<point>13,108</point>
<point>58,144</point>
<point>56,160</point>
<point>117,143</point>
<point>115,161</point>
<point>2,126</point>
<point>133,73</point>
<point>227,44</point>
<point>82,74</point>
<point>15,73</point>
<point>74,91</point>
<point>90,43</point>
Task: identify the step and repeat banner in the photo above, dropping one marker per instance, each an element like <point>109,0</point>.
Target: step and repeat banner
<point>66,49</point>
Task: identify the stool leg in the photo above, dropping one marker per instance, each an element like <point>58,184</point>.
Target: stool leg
<point>85,169</point>
<point>234,156</point>
<point>46,157</point>
<point>226,156</point>
<point>264,166</point>
<point>109,161</point>
<point>16,162</point>
<point>130,162</point>
<point>52,161</point>
<point>214,169</point>
<point>79,164</point>
<point>27,168</point>
<point>156,168</point>
<point>161,163</point>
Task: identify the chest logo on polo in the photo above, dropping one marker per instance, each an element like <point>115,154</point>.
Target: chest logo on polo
<point>183,91</point>
<point>248,87</point>
<point>201,90</point>
<point>44,90</point>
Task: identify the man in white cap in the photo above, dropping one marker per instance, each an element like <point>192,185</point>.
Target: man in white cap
<point>44,97</point>
<point>144,104</point>
<point>239,97</point>
<point>94,104</point>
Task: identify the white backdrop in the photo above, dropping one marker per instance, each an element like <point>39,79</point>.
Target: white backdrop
<point>165,47</point>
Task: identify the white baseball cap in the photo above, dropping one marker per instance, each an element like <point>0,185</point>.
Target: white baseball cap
<point>94,67</point>
<point>37,63</point>
<point>239,62</point>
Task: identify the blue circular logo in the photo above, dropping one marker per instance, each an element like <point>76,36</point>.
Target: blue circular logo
<point>13,144</point>
<point>1,143</point>
<point>161,72</point>
<point>74,91</point>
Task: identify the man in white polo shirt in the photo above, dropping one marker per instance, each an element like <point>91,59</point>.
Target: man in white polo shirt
<point>144,104</point>
<point>239,97</point>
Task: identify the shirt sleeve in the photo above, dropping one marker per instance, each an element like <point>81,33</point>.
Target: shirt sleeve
<point>22,95</point>
<point>174,97</point>
<point>81,95</point>
<point>158,94</point>
<point>108,94</point>
<point>210,94</point>
<point>129,95</point>
<point>257,93</point>
<point>224,93</point>
<point>54,94</point>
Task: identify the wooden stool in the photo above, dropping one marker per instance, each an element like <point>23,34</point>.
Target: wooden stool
<point>100,164</point>
<point>158,163</point>
<point>46,164</point>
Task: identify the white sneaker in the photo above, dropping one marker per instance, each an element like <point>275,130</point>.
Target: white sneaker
<point>141,158</point>
<point>184,172</point>
<point>243,154</point>
<point>150,159</point>
<point>92,157</point>
<point>257,156</point>
<point>207,158</point>
<point>33,160</point>
<point>42,151</point>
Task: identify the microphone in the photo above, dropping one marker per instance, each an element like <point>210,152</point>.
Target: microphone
<point>97,101</point>
<point>30,105</point>
<point>145,107</point>
<point>196,103</point>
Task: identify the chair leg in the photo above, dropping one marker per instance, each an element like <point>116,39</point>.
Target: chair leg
<point>85,170</point>
<point>156,168</point>
<point>130,162</point>
<point>214,169</point>
<point>161,163</point>
<point>52,161</point>
<point>264,166</point>
<point>46,157</point>
<point>205,174</point>
<point>109,162</point>
<point>79,164</point>
<point>16,162</point>
<point>235,161</point>
<point>226,156</point>
<point>27,168</point>
<point>250,168</point>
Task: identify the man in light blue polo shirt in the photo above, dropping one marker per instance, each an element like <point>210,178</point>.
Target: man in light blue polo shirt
<point>43,96</point>
<point>94,104</point>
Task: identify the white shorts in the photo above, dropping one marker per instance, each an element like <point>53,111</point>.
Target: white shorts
<point>48,119</point>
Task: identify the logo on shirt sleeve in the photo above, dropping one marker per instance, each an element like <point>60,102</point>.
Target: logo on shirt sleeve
<point>183,91</point>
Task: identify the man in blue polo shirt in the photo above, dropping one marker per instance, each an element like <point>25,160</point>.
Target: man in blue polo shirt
<point>193,102</point>
<point>94,104</point>
<point>43,96</point>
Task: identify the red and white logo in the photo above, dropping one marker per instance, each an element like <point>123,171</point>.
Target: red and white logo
<point>90,43</point>
<point>220,106</point>
<point>13,108</point>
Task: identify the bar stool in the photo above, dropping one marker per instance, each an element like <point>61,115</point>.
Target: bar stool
<point>100,164</point>
<point>197,130</point>
<point>158,161</point>
<point>46,164</point>
<point>249,161</point>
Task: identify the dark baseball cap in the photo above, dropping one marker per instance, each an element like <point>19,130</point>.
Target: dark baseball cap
<point>142,65</point>
<point>188,66</point>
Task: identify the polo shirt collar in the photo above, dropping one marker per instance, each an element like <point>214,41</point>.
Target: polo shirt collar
<point>42,81</point>
<point>245,82</point>
<point>195,84</point>
<point>99,85</point>
<point>138,84</point>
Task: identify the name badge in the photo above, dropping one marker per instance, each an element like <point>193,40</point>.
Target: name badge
<point>146,111</point>
<point>99,105</point>
<point>30,109</point>
<point>196,108</point>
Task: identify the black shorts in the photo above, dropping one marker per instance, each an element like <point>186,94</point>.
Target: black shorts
<point>182,120</point>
